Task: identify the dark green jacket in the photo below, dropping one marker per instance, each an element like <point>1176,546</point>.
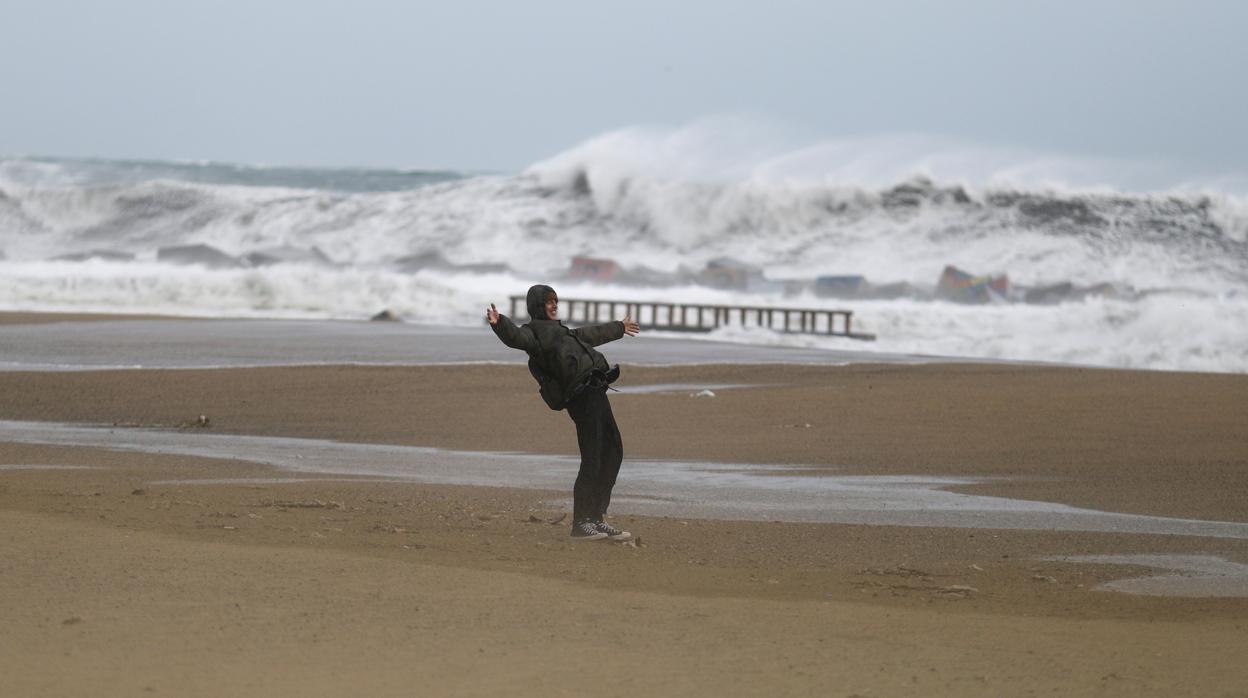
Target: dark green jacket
<point>565,356</point>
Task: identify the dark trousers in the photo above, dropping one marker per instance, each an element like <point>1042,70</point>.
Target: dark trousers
<point>601,454</point>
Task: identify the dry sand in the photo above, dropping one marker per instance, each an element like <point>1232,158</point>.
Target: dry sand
<point>112,585</point>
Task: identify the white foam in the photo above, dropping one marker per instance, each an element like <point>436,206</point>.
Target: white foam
<point>1164,331</point>
<point>738,148</point>
<point>668,199</point>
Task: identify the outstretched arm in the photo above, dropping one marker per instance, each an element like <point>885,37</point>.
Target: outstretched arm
<point>515,337</point>
<point>593,335</point>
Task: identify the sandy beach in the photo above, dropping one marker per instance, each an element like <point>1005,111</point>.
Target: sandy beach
<point>124,577</point>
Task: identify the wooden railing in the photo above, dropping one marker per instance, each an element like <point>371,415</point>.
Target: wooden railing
<point>696,317</point>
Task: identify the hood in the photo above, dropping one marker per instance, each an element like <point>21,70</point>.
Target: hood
<point>536,301</point>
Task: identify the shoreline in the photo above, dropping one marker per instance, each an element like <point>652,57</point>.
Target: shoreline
<point>1072,436</point>
<point>43,317</point>
<point>716,491</point>
<point>41,342</point>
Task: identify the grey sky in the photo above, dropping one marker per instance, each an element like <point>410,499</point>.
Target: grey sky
<point>497,84</point>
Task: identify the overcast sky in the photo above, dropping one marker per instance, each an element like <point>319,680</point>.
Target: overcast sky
<point>500,84</point>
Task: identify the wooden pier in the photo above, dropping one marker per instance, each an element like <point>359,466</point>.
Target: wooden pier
<point>694,317</point>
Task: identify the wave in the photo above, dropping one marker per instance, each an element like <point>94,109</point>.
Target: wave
<point>433,246</point>
<point>1160,331</point>
<point>539,219</point>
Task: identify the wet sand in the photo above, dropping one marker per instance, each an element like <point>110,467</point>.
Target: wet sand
<point>14,317</point>
<point>276,584</point>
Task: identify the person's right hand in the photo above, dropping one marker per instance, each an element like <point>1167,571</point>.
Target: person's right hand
<point>491,314</point>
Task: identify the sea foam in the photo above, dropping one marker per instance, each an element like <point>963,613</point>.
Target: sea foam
<point>670,202</point>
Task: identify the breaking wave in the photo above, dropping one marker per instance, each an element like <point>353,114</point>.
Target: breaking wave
<point>212,239</point>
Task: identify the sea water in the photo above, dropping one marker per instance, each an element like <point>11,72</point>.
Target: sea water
<point>85,235</point>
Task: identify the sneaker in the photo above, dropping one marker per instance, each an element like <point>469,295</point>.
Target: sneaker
<point>586,530</point>
<point>611,531</point>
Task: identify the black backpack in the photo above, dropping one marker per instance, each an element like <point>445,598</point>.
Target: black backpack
<point>547,386</point>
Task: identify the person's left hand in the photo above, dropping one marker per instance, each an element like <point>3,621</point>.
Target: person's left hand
<point>631,328</point>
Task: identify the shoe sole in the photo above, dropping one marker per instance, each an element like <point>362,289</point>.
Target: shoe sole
<point>599,536</point>
<point>622,537</point>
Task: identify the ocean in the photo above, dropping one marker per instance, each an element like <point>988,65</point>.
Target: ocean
<point>1089,275</point>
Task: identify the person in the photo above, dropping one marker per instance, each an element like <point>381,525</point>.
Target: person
<point>572,375</point>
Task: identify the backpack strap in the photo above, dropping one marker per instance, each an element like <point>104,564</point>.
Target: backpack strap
<point>546,386</point>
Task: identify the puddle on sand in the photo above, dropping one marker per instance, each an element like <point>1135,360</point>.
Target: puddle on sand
<point>1192,576</point>
<point>726,491</point>
<point>267,480</point>
<point>681,387</point>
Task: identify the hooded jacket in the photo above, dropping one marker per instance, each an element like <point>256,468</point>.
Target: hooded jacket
<point>564,357</point>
